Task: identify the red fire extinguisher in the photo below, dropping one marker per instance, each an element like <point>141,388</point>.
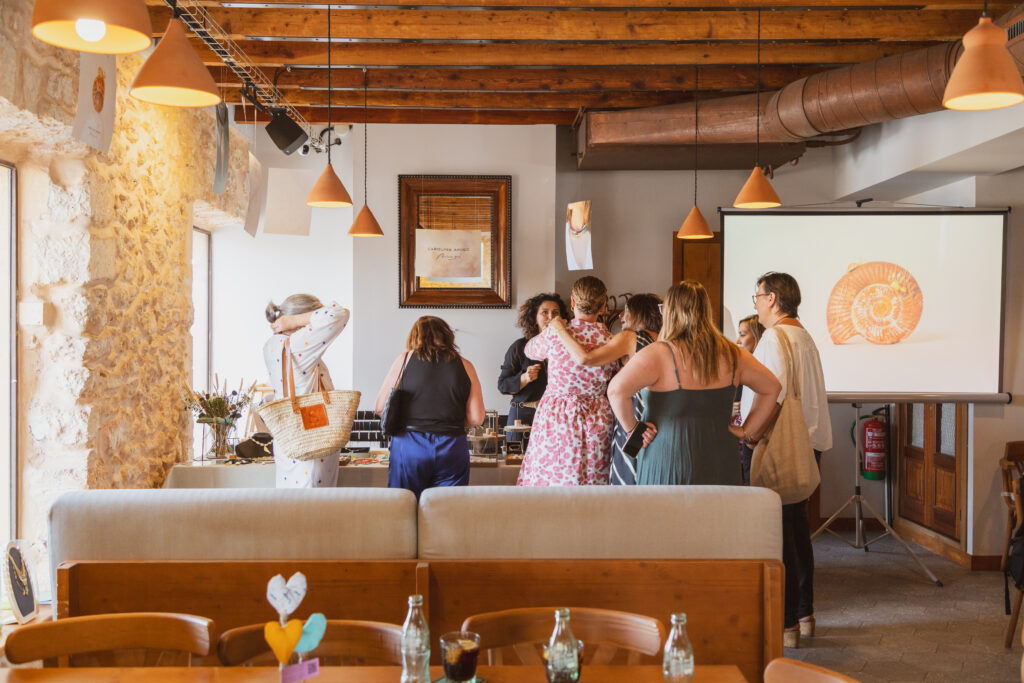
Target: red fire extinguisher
<point>875,442</point>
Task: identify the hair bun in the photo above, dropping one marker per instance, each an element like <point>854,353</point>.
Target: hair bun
<point>273,312</point>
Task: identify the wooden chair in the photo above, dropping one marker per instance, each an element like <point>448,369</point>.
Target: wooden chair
<point>784,670</point>
<point>345,643</point>
<point>1012,467</point>
<point>1018,511</point>
<point>127,639</point>
<point>609,636</point>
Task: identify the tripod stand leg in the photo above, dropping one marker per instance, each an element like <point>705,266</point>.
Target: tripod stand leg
<point>906,546</point>
<point>833,518</point>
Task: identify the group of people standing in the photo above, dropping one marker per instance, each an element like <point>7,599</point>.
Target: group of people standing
<point>669,373</point>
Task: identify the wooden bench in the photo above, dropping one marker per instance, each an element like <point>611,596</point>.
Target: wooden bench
<point>733,607</point>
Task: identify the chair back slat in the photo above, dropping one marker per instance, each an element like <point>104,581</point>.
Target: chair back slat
<point>111,639</point>
<point>784,670</point>
<point>345,643</point>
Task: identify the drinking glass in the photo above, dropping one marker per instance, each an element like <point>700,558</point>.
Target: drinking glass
<point>460,651</point>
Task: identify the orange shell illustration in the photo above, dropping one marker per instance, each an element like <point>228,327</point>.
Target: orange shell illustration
<point>880,301</point>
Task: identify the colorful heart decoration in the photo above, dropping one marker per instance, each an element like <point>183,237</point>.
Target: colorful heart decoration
<point>283,639</point>
<point>286,597</point>
<point>312,632</point>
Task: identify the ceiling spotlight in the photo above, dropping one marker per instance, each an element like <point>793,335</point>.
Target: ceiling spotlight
<point>286,134</point>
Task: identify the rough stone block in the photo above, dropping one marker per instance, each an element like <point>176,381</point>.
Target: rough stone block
<point>62,259</point>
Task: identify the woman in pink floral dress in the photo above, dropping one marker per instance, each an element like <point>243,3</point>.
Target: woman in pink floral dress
<point>570,443</point>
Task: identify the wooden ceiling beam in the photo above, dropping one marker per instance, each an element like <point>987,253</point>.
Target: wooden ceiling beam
<point>340,116</point>
<point>727,78</point>
<point>269,54</point>
<point>994,7</point>
<point>572,25</point>
<point>489,100</point>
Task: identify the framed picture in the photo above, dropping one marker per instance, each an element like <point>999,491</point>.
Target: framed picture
<point>20,587</point>
<point>454,241</point>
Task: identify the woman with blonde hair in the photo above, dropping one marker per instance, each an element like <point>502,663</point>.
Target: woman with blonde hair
<point>689,378</point>
<point>440,397</point>
<point>572,429</point>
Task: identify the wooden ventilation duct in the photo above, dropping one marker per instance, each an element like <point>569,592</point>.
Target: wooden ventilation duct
<point>826,103</point>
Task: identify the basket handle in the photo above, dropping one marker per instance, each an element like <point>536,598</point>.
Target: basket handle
<point>289,374</point>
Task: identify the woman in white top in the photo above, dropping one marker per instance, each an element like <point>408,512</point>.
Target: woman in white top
<point>776,301</point>
<point>309,327</point>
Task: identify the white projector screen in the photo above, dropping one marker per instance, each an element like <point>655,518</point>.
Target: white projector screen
<point>897,302</point>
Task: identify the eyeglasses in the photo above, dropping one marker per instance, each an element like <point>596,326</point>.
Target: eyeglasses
<point>753,299</point>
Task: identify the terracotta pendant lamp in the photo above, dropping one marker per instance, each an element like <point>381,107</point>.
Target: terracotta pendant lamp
<point>757,192</point>
<point>329,192</point>
<point>174,75</point>
<point>985,76</point>
<point>113,27</point>
<point>365,224</point>
<point>695,227</point>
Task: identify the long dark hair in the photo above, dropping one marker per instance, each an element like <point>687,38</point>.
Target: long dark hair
<point>528,313</point>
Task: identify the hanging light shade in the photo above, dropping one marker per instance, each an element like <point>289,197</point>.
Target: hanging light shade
<point>757,193</point>
<point>174,75</point>
<point>985,76</point>
<point>695,227</point>
<point>329,192</point>
<point>365,224</point>
<point>113,27</point>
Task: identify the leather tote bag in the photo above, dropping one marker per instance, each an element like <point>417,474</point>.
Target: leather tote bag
<point>783,459</point>
<point>309,426</point>
<point>391,416</point>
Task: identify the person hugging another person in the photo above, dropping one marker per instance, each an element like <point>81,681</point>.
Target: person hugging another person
<point>306,328</point>
<point>572,429</point>
<point>524,378</point>
<point>641,320</point>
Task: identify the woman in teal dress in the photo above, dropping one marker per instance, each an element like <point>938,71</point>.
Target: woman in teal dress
<point>689,379</point>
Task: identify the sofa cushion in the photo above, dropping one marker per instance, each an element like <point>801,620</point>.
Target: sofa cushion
<point>652,522</point>
<point>228,524</point>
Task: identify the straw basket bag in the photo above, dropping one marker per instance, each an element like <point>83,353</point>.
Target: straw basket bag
<point>309,426</point>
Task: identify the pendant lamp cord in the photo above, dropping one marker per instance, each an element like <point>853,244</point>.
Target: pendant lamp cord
<point>757,142</point>
<point>696,127</point>
<point>365,133</point>
<point>330,133</point>
<point>984,9</point>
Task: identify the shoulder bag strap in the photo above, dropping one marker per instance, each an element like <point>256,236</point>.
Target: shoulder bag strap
<point>398,382</point>
<point>288,377</point>
<point>787,351</point>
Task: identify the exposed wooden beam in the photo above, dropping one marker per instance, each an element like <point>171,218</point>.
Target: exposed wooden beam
<point>504,54</point>
<point>574,25</point>
<point>647,4</point>
<point>490,100</point>
<point>581,79</point>
<point>318,116</point>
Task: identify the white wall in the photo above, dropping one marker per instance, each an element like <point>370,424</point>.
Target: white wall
<point>250,272</point>
<point>527,153</point>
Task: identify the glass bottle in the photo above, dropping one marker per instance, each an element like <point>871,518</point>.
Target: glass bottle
<point>678,663</point>
<point>563,665</point>
<point>415,644</point>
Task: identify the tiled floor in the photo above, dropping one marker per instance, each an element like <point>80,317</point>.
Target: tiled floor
<point>879,619</point>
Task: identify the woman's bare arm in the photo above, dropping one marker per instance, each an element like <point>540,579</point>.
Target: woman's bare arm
<point>389,383</point>
<point>622,344</point>
<point>475,404</point>
<point>766,387</point>
<point>639,373</point>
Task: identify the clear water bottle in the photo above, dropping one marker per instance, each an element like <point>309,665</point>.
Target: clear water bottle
<point>563,665</point>
<point>678,664</point>
<point>415,644</point>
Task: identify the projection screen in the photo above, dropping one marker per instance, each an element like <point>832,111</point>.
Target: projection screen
<point>908,302</point>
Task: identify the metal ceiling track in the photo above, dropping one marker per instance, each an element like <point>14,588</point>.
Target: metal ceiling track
<point>259,86</point>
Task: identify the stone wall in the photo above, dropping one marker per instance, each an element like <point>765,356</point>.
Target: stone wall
<point>105,246</point>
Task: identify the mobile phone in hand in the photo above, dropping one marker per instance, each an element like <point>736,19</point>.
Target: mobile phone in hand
<point>636,440</point>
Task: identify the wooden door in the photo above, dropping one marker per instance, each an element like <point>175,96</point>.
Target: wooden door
<point>700,260</point>
<point>932,445</point>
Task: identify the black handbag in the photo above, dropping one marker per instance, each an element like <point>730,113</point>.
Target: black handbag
<point>391,416</point>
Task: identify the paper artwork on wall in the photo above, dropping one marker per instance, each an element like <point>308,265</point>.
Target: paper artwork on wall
<point>287,212</point>
<point>578,254</point>
<point>257,193</point>
<point>449,255</point>
<point>97,100</point>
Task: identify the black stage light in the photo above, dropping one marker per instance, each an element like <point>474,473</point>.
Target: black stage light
<point>286,134</point>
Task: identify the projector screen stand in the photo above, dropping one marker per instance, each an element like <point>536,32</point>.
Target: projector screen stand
<point>858,503</point>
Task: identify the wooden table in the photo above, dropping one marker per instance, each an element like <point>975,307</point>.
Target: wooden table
<point>361,674</point>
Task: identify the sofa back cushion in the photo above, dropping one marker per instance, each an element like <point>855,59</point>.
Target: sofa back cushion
<point>663,522</point>
<point>230,524</point>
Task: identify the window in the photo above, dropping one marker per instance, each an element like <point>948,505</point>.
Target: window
<point>201,327</point>
<point>8,339</point>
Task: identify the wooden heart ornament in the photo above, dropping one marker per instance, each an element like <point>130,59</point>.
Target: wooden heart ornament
<point>286,597</point>
<point>283,639</point>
